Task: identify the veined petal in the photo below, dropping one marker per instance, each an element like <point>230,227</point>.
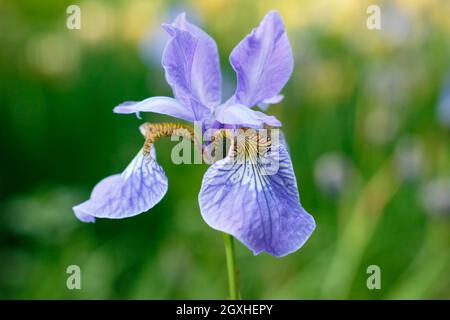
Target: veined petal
<point>206,75</point>
<point>191,62</point>
<point>263,61</point>
<point>240,115</point>
<point>262,210</point>
<point>142,185</point>
<point>163,105</point>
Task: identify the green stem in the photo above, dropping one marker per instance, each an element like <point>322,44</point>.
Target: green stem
<point>231,267</point>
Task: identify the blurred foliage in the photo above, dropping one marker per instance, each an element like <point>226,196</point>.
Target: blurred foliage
<point>360,115</point>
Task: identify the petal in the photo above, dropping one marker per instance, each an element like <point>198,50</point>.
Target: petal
<point>263,211</point>
<point>238,114</point>
<point>273,100</point>
<point>81,214</point>
<point>191,62</point>
<point>142,185</point>
<point>163,105</point>
<point>263,61</point>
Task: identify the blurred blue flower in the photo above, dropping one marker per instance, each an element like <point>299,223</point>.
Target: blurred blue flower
<point>237,197</point>
<point>443,108</point>
<point>409,158</point>
<point>397,26</point>
<point>435,196</point>
<point>333,172</point>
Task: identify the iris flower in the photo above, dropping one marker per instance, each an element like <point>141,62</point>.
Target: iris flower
<point>240,198</point>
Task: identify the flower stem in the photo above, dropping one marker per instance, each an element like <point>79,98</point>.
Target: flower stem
<point>233,285</point>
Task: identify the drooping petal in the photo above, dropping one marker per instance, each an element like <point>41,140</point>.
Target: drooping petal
<point>163,105</point>
<point>240,115</point>
<point>191,62</point>
<point>257,205</point>
<point>263,61</point>
<point>142,185</point>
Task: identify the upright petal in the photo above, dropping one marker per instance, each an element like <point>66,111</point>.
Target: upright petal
<point>240,115</point>
<point>163,105</point>
<point>191,62</point>
<point>263,61</point>
<point>260,208</point>
<point>142,185</point>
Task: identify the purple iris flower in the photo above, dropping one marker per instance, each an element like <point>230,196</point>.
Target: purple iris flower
<point>262,210</point>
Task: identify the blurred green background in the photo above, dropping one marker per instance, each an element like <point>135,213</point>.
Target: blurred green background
<point>366,114</point>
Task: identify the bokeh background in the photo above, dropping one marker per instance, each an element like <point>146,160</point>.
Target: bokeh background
<point>366,114</point>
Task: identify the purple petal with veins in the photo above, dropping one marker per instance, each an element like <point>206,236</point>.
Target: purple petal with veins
<point>142,185</point>
<point>191,62</point>
<point>262,210</point>
<point>263,61</point>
